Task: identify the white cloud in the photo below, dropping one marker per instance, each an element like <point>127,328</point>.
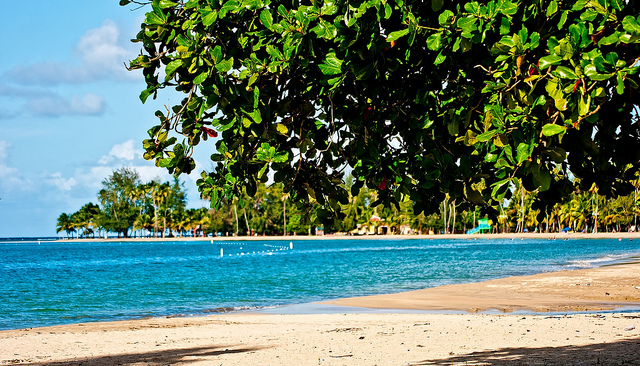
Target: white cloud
<point>100,49</point>
<point>10,177</point>
<point>92,179</point>
<point>101,55</point>
<point>57,180</point>
<point>54,106</point>
<point>124,151</point>
<point>150,172</point>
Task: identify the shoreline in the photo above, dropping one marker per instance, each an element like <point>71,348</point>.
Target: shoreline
<point>538,236</point>
<point>384,337</point>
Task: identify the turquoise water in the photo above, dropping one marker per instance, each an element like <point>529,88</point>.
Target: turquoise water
<point>70,282</point>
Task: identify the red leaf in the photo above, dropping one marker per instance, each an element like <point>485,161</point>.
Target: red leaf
<point>576,86</point>
<point>210,132</point>
<point>383,185</point>
<point>367,112</point>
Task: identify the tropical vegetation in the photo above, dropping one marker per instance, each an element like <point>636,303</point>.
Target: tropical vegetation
<point>127,207</point>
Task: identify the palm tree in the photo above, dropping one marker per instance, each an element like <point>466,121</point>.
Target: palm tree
<point>65,224</point>
<point>580,211</point>
<point>180,223</point>
<point>554,217</point>
<point>144,221</point>
<point>158,193</point>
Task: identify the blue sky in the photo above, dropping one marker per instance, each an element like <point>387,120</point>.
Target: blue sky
<point>69,110</point>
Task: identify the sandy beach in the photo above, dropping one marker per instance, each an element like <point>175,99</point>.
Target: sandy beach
<point>594,338</point>
<point>543,236</point>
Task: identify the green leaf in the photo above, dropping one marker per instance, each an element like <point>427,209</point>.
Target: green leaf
<point>547,61</point>
<point>217,54</point>
<point>440,58</point>
<point>436,5</point>
<point>500,189</point>
<point>281,158</point>
<point>610,39</point>
<point>472,8</point>
<point>225,65</point>
<point>565,73</point>
<point>387,11</point>
<point>631,25</point>
<point>486,136</point>
<point>171,68</point>
<point>166,4</point>
<point>551,129</point>
<point>444,19</point>
<point>507,7</point>
<point>505,26</point>
<point>563,19</point>
<point>210,18</point>
<point>620,81</point>
<point>266,19</point>
<point>154,19</point>
<point>332,65</point>
<point>263,170</point>
<point>144,95</point>
<point>256,116</point>
<point>201,78</point>
<point>542,178</point>
<point>552,8</point>
<point>164,163</point>
<point>397,34</point>
<point>522,152</point>
<point>433,42</point>
<point>584,104</point>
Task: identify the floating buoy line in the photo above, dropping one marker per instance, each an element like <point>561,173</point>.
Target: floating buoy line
<point>270,248</point>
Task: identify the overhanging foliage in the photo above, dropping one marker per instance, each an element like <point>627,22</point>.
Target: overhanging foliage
<point>418,98</point>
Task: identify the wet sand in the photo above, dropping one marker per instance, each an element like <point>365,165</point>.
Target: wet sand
<point>605,288</point>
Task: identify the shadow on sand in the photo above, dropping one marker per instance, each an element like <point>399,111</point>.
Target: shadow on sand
<point>624,352</point>
<point>182,356</point>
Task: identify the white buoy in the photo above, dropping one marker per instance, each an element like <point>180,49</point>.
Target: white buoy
<point>221,252</point>
<point>290,245</point>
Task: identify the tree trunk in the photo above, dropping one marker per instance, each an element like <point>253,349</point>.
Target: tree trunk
<point>522,214</point>
<point>155,219</point>
<point>235,209</point>
<point>635,210</point>
<point>453,212</point>
<point>246,221</point>
<point>444,204</point>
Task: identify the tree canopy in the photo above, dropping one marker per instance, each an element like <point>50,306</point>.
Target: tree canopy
<point>413,98</point>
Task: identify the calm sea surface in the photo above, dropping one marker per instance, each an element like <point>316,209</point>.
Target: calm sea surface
<point>71,282</point>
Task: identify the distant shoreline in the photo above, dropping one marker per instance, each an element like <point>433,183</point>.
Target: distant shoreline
<point>541,236</point>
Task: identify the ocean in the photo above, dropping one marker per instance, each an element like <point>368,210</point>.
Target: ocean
<point>50,283</point>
